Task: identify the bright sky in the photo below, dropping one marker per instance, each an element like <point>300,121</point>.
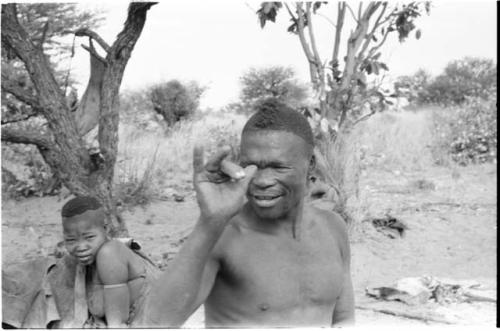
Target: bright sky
<point>214,42</point>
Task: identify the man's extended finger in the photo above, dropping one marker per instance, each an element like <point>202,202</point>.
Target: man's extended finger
<point>232,170</point>
<point>249,173</point>
<point>214,163</point>
<point>198,158</point>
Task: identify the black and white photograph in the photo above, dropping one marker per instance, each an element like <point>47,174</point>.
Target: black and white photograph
<point>246,164</point>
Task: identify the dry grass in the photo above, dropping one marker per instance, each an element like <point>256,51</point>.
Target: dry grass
<point>152,163</point>
<point>397,140</point>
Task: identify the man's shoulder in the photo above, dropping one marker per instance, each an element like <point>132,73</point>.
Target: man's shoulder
<point>332,222</point>
<point>329,218</point>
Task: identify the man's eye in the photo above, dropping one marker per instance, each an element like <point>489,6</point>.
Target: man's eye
<point>89,237</point>
<point>69,241</point>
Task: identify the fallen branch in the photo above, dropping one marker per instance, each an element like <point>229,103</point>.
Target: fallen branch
<point>414,316</point>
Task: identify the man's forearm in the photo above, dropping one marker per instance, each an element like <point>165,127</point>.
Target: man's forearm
<point>174,294</point>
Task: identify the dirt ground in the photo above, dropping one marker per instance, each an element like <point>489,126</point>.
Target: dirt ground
<point>451,233</point>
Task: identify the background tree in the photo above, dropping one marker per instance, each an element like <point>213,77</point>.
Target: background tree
<point>373,22</point>
<point>274,81</point>
<point>414,87</point>
<point>61,142</point>
<point>337,83</point>
<point>174,100</point>
<point>467,77</point>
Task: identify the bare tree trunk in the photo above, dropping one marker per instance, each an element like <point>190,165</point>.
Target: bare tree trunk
<point>63,147</point>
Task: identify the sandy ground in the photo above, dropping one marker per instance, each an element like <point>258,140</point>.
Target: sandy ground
<point>452,233</point>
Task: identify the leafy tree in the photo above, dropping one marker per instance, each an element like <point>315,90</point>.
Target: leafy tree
<point>174,100</point>
<point>60,141</point>
<point>275,81</point>
<point>338,84</point>
<point>414,87</point>
<point>467,77</point>
<point>334,82</point>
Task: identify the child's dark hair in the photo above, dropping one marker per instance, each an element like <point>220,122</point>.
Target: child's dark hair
<point>273,114</point>
<point>79,205</point>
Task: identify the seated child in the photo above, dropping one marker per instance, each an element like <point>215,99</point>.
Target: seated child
<point>116,277</point>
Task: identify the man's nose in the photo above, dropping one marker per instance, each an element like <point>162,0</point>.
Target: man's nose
<point>263,179</point>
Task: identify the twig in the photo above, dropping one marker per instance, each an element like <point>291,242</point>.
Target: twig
<point>419,317</point>
<point>290,12</point>
<point>352,13</point>
<point>364,117</point>
<point>327,19</point>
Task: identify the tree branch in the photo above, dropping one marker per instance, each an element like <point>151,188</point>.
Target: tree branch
<point>310,58</point>
<point>311,33</point>
<point>327,19</point>
<point>352,13</point>
<point>18,92</point>
<point>372,32</point>
<point>117,59</point>
<point>84,32</point>
<point>338,31</point>
<point>18,119</point>
<point>93,51</point>
<point>290,12</point>
<point>19,136</point>
<point>51,100</point>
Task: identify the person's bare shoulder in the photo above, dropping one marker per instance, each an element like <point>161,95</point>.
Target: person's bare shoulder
<point>113,249</point>
<point>334,223</point>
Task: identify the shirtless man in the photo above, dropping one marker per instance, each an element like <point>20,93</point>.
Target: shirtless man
<point>278,262</point>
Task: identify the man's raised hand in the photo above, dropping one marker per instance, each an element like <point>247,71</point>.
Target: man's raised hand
<point>220,185</point>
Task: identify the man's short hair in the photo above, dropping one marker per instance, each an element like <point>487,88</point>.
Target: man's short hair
<point>272,114</point>
<point>79,205</point>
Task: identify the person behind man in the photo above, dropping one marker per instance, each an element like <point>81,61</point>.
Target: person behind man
<point>278,262</point>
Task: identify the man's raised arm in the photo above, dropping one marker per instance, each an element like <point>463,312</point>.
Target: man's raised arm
<point>220,187</point>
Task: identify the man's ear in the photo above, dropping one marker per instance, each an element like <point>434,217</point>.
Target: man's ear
<point>312,165</point>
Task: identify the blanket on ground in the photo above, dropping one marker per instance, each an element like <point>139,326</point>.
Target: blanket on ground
<point>41,293</point>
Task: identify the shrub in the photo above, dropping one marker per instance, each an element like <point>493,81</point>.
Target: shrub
<point>174,100</point>
<point>25,173</point>
<point>468,77</point>
<point>468,133</point>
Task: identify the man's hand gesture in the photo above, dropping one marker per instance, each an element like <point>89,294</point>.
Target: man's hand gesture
<point>220,185</point>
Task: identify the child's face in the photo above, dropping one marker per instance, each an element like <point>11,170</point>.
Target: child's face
<point>84,234</point>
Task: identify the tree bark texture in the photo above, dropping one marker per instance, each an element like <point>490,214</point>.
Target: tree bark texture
<point>64,148</point>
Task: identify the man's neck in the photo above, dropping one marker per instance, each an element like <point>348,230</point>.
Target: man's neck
<point>289,225</point>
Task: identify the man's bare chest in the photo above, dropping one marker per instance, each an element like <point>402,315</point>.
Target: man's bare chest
<point>283,272</point>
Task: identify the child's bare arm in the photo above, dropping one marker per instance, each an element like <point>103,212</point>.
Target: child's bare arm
<point>113,271</point>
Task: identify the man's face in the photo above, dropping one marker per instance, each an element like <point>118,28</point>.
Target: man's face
<point>280,182</point>
<point>84,234</point>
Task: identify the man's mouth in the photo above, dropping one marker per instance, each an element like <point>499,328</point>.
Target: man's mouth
<point>266,200</point>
